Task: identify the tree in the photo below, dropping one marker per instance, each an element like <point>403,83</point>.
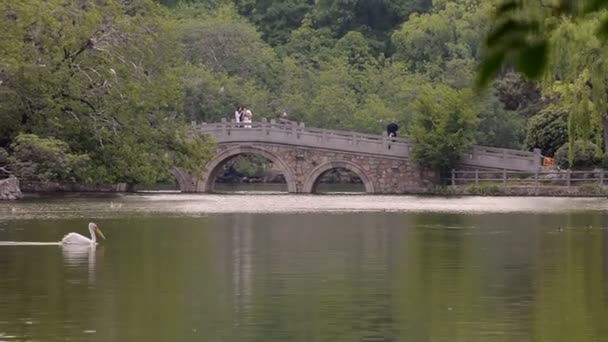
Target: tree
<point>372,116</point>
<point>103,77</point>
<point>443,127</point>
<point>210,97</point>
<point>375,19</point>
<point>275,18</point>
<point>564,46</point>
<point>516,93</point>
<point>585,156</point>
<point>310,46</point>
<point>354,48</point>
<point>453,31</point>
<point>46,160</point>
<point>223,42</point>
<point>522,31</point>
<point>499,127</point>
<point>548,131</point>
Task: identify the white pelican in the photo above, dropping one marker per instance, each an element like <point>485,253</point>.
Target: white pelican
<point>77,239</point>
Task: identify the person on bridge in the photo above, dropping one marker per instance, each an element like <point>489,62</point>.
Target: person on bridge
<point>237,114</point>
<point>247,117</point>
<point>392,129</point>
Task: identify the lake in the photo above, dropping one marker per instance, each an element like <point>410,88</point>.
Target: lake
<point>276,267</point>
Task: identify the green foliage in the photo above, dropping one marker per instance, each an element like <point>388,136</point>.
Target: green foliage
<point>102,78</point>
<point>225,43</point>
<point>121,79</point>
<point>442,190</point>
<point>251,166</point>
<point>4,157</point>
<point>547,131</point>
<point>518,94</point>
<point>585,156</point>
<point>484,189</point>
<point>46,160</point>
<point>522,28</point>
<point>310,46</point>
<point>210,97</point>
<point>429,42</point>
<point>275,19</point>
<point>605,161</point>
<point>443,127</point>
<point>499,127</point>
<point>564,41</point>
<point>355,49</point>
<point>515,39</point>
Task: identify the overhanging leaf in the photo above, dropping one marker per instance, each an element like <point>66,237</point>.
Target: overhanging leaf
<point>532,60</point>
<point>489,67</point>
<point>602,30</point>
<point>510,27</point>
<point>595,5</point>
<point>507,7</point>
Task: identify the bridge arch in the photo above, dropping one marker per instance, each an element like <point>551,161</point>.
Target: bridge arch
<point>214,165</point>
<point>313,177</point>
<point>184,180</point>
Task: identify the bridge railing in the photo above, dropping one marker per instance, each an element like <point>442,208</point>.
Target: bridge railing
<point>500,158</point>
<point>300,135</point>
<point>538,178</point>
<point>297,134</point>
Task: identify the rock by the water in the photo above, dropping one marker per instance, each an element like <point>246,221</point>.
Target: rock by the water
<point>9,189</point>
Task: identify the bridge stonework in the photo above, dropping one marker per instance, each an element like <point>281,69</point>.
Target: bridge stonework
<point>302,167</point>
<point>305,154</point>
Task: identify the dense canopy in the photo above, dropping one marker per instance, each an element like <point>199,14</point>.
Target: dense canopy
<point>112,85</point>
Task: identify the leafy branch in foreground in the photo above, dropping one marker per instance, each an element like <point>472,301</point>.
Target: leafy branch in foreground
<point>561,44</point>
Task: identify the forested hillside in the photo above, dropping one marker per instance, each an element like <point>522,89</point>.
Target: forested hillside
<point>358,65</point>
<point>104,90</point>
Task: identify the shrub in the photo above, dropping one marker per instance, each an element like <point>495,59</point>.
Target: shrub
<point>548,131</point>
<point>585,156</point>
<point>486,189</point>
<point>3,157</point>
<point>605,161</point>
<point>443,127</point>
<point>45,160</point>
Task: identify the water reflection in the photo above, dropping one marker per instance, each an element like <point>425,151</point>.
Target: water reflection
<point>82,257</point>
<point>312,277</point>
<point>242,269</point>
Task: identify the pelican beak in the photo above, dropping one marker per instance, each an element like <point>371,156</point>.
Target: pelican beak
<point>99,232</point>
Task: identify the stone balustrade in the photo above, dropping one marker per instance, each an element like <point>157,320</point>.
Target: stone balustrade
<point>297,134</point>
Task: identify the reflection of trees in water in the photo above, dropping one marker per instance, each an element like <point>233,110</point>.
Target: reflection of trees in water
<point>502,274</point>
<point>438,288</point>
<point>570,293</point>
<point>455,284</point>
<point>323,276</point>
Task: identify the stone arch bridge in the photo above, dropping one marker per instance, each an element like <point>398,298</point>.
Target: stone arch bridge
<point>304,154</point>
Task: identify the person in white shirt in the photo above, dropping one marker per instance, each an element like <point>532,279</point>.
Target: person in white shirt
<point>247,117</point>
<point>237,114</point>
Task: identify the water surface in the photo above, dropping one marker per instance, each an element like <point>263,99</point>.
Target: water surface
<point>270,267</point>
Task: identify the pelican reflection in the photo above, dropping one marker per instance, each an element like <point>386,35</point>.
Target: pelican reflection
<point>81,256</point>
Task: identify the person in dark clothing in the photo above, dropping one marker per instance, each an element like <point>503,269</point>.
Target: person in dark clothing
<point>392,129</point>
